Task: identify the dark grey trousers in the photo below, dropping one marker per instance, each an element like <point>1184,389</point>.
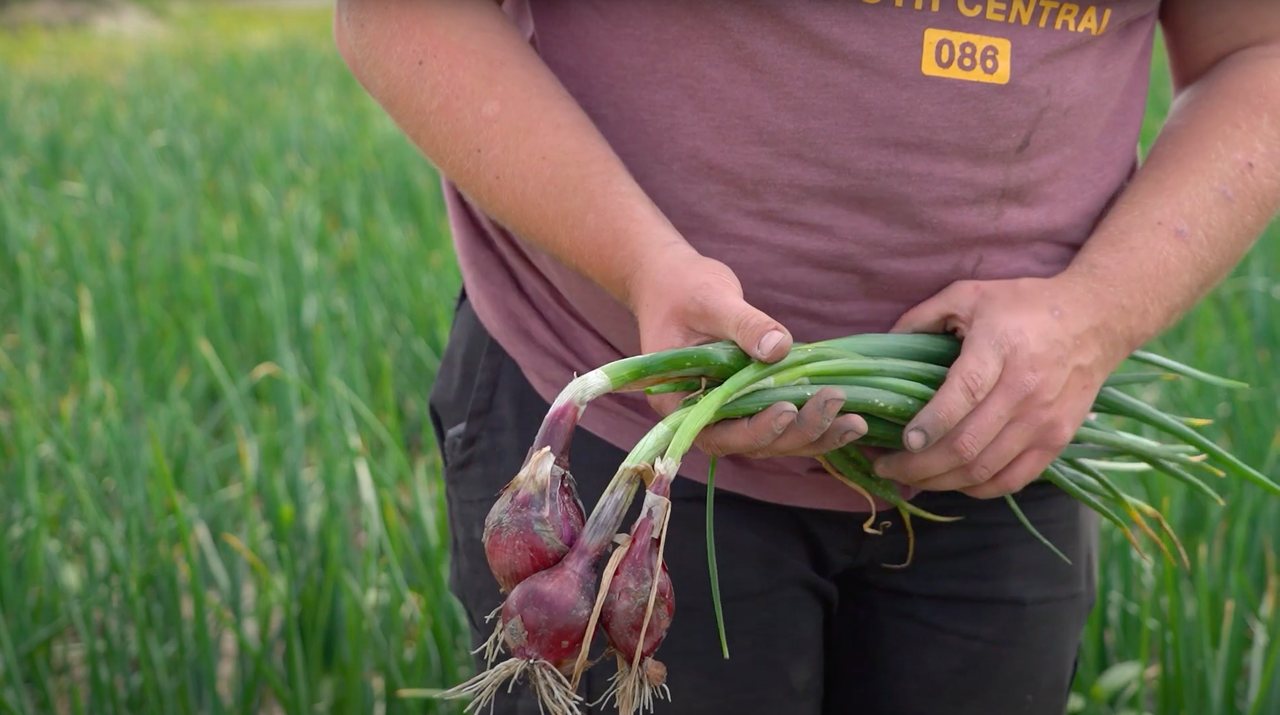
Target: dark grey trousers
<point>986,620</point>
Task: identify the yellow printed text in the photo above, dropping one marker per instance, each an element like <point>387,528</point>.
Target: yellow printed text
<point>1054,15</point>
<point>965,56</point>
<point>919,4</point>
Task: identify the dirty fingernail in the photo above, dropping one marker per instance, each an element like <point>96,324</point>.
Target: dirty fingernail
<point>916,440</point>
<point>769,342</point>
<point>784,421</point>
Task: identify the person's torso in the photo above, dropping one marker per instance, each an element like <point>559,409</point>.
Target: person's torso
<point>847,159</point>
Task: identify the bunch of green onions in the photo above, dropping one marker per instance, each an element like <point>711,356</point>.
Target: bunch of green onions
<point>559,597</point>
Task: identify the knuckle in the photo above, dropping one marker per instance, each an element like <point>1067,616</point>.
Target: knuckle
<point>711,447</point>
<point>1060,433</point>
<point>746,320</point>
<point>972,386</point>
<point>808,418</point>
<point>763,441</point>
<point>941,418</point>
<point>1012,341</point>
<point>965,447</point>
<point>816,427</point>
<point>739,319</point>
<point>712,443</point>
<point>965,289</point>
<point>977,473</point>
<point>759,436</point>
<point>829,440</point>
<point>1028,382</point>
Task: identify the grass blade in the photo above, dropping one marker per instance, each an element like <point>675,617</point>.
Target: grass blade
<point>1060,478</point>
<point>1026,522</point>
<point>711,560</point>
<point>855,467</point>
<point>1187,478</point>
<point>1171,365</point>
<point>1136,409</point>
<point>1106,488</point>
<point>1122,379</point>
<point>1134,446</point>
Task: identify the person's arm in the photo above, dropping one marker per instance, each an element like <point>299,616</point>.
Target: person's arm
<point>465,87</point>
<point>1035,352</point>
<point>1211,183</point>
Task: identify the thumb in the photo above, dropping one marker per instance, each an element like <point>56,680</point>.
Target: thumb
<point>758,335</point>
<point>948,310</point>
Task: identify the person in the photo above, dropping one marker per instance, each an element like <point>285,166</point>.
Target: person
<point>625,177</point>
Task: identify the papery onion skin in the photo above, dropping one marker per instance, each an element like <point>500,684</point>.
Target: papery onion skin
<point>623,614</point>
<point>536,520</point>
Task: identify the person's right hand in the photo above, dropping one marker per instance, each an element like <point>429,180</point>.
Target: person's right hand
<point>681,298</point>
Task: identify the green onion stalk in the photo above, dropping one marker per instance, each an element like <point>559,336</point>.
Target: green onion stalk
<point>714,361</point>
<point>551,614</point>
<point>889,391</point>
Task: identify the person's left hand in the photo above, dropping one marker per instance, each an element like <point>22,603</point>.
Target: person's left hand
<point>1034,354</point>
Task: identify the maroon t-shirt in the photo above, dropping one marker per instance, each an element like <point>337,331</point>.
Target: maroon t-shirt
<point>846,159</point>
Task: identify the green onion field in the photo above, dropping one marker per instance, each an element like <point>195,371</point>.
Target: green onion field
<point>225,282</point>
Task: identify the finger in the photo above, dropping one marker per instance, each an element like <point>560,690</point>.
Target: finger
<point>1052,437</point>
<point>748,434</point>
<point>965,447</point>
<point>969,380</point>
<point>1007,446</point>
<point>950,309</point>
<point>844,430</point>
<point>812,421</point>
<point>1013,478</point>
<point>667,402</point>
<point>760,336</point>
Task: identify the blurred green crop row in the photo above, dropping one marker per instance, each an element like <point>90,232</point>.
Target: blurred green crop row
<point>224,287</point>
